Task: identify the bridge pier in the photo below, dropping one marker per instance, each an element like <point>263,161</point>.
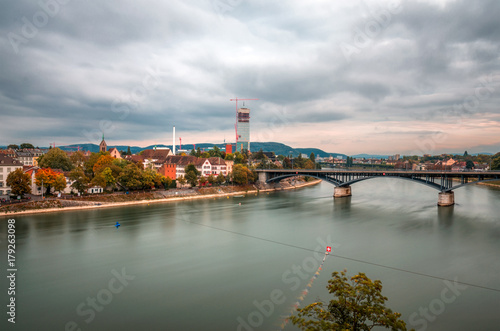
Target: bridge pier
<point>446,199</point>
<point>342,191</point>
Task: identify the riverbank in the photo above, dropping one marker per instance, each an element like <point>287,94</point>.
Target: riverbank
<point>58,205</point>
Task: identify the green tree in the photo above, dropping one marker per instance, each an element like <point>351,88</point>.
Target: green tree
<point>149,178</point>
<point>13,146</point>
<point>181,180</point>
<point>107,174</point>
<point>312,157</point>
<point>495,162</point>
<point>211,179</point>
<point>191,174</point>
<point>26,146</point>
<point>128,151</point>
<point>55,158</point>
<point>205,155</point>
<point>202,180</point>
<point>220,179</point>
<point>229,157</point>
<point>259,155</point>
<point>131,177</point>
<point>166,181</point>
<point>466,154</point>
<point>469,164</point>
<point>358,305</point>
<point>59,183</point>
<point>19,182</point>
<point>242,175</point>
<point>215,152</point>
<point>80,180</point>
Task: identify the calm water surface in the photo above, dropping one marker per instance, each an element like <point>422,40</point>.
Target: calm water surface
<point>207,265</point>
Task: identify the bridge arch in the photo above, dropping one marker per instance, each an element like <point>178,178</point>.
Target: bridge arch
<point>338,183</point>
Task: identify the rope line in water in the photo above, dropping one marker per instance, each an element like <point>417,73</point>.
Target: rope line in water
<point>303,294</point>
<point>347,258</point>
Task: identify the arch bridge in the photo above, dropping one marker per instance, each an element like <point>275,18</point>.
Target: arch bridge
<point>443,181</point>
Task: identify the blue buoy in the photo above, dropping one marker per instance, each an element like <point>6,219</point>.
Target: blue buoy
<point>117,225</point>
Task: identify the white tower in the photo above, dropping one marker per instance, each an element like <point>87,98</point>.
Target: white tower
<point>173,142</point>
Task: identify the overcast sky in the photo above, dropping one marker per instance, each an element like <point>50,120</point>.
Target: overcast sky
<point>350,77</point>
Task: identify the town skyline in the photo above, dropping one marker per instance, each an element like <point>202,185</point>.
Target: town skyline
<point>358,77</point>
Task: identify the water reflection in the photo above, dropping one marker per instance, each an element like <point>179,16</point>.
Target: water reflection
<point>342,206</point>
<point>445,216</point>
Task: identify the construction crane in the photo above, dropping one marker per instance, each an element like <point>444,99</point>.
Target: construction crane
<point>236,124</point>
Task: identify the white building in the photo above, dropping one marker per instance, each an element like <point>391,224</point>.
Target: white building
<point>7,165</point>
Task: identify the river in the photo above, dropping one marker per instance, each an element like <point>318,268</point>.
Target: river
<point>241,263</point>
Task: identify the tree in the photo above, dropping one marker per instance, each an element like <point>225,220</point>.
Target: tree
<point>495,162</point>
<point>149,178</point>
<point>26,146</point>
<point>466,154</point>
<point>55,159</point>
<point>202,180</point>
<point>469,164</point>
<point>19,182</point>
<point>13,146</point>
<point>205,155</point>
<point>103,162</point>
<point>131,177</point>
<point>211,179</point>
<point>287,164</point>
<point>312,157</point>
<point>309,165</point>
<point>165,181</point>
<point>260,155</point>
<point>220,179</point>
<point>181,180</point>
<point>242,175</point>
<point>229,157</point>
<point>91,161</point>
<point>80,180</point>
<point>77,159</point>
<point>215,152</point>
<point>59,183</point>
<point>107,174</point>
<point>191,174</point>
<point>358,305</point>
<point>128,151</point>
<point>46,178</point>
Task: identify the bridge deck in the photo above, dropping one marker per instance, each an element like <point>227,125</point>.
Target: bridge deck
<point>440,180</point>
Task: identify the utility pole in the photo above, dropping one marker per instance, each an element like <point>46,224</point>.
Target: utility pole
<point>42,188</point>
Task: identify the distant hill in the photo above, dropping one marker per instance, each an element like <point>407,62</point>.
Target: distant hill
<point>277,148</point>
<point>371,156</point>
